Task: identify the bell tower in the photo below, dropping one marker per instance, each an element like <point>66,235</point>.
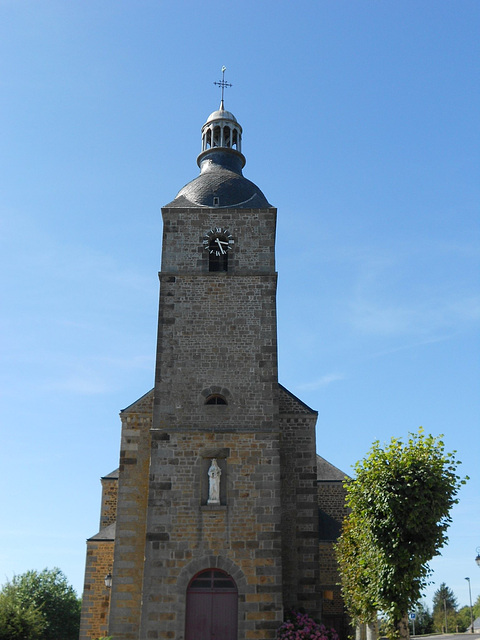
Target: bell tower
<point>217,314</point>
<point>217,525</point>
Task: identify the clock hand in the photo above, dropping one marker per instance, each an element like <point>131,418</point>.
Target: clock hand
<point>219,242</point>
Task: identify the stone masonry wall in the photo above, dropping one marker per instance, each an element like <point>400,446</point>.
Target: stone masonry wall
<point>108,510</point>
<point>131,520</point>
<point>300,513</point>
<point>217,328</point>
<point>331,499</point>
<point>253,231</point>
<point>241,536</point>
<point>96,597</point>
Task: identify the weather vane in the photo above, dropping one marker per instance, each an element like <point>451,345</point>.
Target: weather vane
<point>222,83</point>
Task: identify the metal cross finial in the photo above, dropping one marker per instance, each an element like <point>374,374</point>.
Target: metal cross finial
<point>222,83</point>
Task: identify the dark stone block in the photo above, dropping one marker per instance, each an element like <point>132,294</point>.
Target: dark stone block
<point>268,624</point>
<point>162,537</point>
<point>160,435</point>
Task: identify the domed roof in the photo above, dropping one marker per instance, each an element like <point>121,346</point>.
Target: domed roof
<point>220,187</point>
<point>221,114</point>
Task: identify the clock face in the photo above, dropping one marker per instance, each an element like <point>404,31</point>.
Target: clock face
<point>218,241</point>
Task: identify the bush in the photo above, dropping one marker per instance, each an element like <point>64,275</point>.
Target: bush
<point>299,626</point>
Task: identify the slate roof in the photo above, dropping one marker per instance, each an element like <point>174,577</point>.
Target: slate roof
<point>233,192</point>
<point>289,403</point>
<point>327,472</point>
<point>144,403</point>
<point>113,475</point>
<point>221,178</point>
<point>107,534</point>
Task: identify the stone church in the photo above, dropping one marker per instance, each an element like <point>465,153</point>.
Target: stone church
<point>221,515</point>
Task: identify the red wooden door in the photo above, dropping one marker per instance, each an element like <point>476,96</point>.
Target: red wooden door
<point>212,607</point>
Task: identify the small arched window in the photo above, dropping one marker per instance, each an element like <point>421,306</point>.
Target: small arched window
<point>215,398</point>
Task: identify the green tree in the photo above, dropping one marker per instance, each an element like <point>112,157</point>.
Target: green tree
<point>444,597</point>
<point>46,601</point>
<point>19,620</point>
<point>476,608</point>
<point>358,563</point>
<point>464,619</point>
<point>400,501</point>
<point>423,619</point>
<point>444,609</point>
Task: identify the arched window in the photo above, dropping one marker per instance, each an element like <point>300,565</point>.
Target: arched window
<point>215,398</point>
<point>212,607</point>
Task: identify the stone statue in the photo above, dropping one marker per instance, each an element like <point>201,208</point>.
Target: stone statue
<point>214,474</point>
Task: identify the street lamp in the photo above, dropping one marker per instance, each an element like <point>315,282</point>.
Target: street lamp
<point>471,608</point>
<point>108,580</point>
<point>477,559</point>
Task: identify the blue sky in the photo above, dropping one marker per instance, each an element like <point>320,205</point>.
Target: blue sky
<point>360,124</point>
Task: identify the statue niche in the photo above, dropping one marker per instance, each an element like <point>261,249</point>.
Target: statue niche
<point>214,474</point>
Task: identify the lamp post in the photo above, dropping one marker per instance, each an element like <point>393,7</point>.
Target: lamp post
<point>471,608</point>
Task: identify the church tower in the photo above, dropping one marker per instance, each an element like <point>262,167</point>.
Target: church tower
<point>216,530</point>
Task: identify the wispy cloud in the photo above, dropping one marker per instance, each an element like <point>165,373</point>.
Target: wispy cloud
<point>411,344</point>
<point>30,249</point>
<point>97,376</point>
<point>324,381</point>
<point>416,317</point>
<point>78,385</point>
<point>405,293</point>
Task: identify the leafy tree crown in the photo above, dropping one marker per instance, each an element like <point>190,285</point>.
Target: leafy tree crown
<point>400,501</point>
<point>45,601</point>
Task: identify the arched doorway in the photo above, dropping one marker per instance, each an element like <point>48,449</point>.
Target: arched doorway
<point>212,607</point>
